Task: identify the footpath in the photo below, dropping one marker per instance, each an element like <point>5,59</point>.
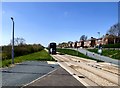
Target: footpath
<point>97,56</point>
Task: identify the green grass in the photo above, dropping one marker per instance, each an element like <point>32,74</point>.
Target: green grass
<point>93,50</point>
<point>0,59</point>
<point>38,56</point>
<point>0,54</point>
<point>75,53</point>
<point>115,54</point>
<point>117,45</point>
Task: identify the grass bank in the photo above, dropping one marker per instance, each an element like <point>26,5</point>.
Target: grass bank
<point>75,53</point>
<point>37,56</point>
<point>117,45</point>
<point>115,54</point>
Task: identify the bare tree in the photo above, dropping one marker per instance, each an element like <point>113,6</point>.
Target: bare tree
<point>18,41</point>
<point>83,37</point>
<point>114,30</point>
<point>22,41</point>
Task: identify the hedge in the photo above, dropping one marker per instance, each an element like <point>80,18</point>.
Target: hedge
<point>20,50</point>
<point>117,45</point>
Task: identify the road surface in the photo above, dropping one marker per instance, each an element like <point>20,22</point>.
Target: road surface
<point>25,72</point>
<point>59,78</point>
<point>30,74</point>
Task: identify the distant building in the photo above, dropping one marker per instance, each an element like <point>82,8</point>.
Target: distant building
<point>87,43</point>
<point>70,44</point>
<point>110,39</point>
<point>99,41</point>
<point>77,44</point>
<point>92,42</point>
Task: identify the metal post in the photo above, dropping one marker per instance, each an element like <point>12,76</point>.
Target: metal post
<point>13,42</point>
<point>98,34</point>
<point>77,51</point>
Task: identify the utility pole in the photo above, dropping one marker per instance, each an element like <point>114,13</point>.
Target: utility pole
<point>12,41</point>
<point>98,34</point>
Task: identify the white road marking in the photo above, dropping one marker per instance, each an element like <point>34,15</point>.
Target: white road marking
<point>39,78</point>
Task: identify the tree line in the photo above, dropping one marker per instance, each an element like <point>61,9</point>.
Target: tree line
<point>20,48</point>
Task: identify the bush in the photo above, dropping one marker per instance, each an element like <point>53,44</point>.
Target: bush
<point>117,45</point>
<point>20,50</point>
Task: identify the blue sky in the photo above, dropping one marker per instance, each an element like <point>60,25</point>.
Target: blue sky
<point>45,22</point>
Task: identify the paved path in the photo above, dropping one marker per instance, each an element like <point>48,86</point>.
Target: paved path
<point>97,56</point>
<point>59,78</point>
<point>25,72</point>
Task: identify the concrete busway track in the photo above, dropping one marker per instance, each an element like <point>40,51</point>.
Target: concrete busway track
<point>104,66</point>
<point>88,71</point>
<point>101,65</point>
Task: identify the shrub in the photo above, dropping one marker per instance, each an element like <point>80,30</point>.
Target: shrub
<point>20,50</point>
<point>117,45</point>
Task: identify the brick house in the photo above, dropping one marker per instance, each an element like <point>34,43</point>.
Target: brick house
<point>92,42</point>
<point>87,43</point>
<point>111,39</point>
<point>99,41</point>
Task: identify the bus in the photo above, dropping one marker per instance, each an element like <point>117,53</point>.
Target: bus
<point>52,48</point>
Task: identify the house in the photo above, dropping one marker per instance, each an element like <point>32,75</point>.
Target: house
<point>92,42</point>
<point>70,44</point>
<point>87,43</point>
<point>99,41</point>
<point>110,39</point>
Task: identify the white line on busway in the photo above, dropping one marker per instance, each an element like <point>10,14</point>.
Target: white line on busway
<point>38,78</point>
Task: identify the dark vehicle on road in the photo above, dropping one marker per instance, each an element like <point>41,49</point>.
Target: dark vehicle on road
<point>52,48</point>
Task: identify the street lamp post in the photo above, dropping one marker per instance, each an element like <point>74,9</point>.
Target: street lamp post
<point>98,34</point>
<point>12,41</point>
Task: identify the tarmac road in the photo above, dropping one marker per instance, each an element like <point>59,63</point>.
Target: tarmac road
<point>25,72</point>
<point>60,78</point>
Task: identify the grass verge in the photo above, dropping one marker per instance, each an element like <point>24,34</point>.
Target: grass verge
<point>115,54</point>
<point>75,53</point>
<point>37,56</point>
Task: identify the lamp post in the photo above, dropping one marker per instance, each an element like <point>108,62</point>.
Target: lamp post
<point>98,34</point>
<point>98,38</point>
<point>12,41</point>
